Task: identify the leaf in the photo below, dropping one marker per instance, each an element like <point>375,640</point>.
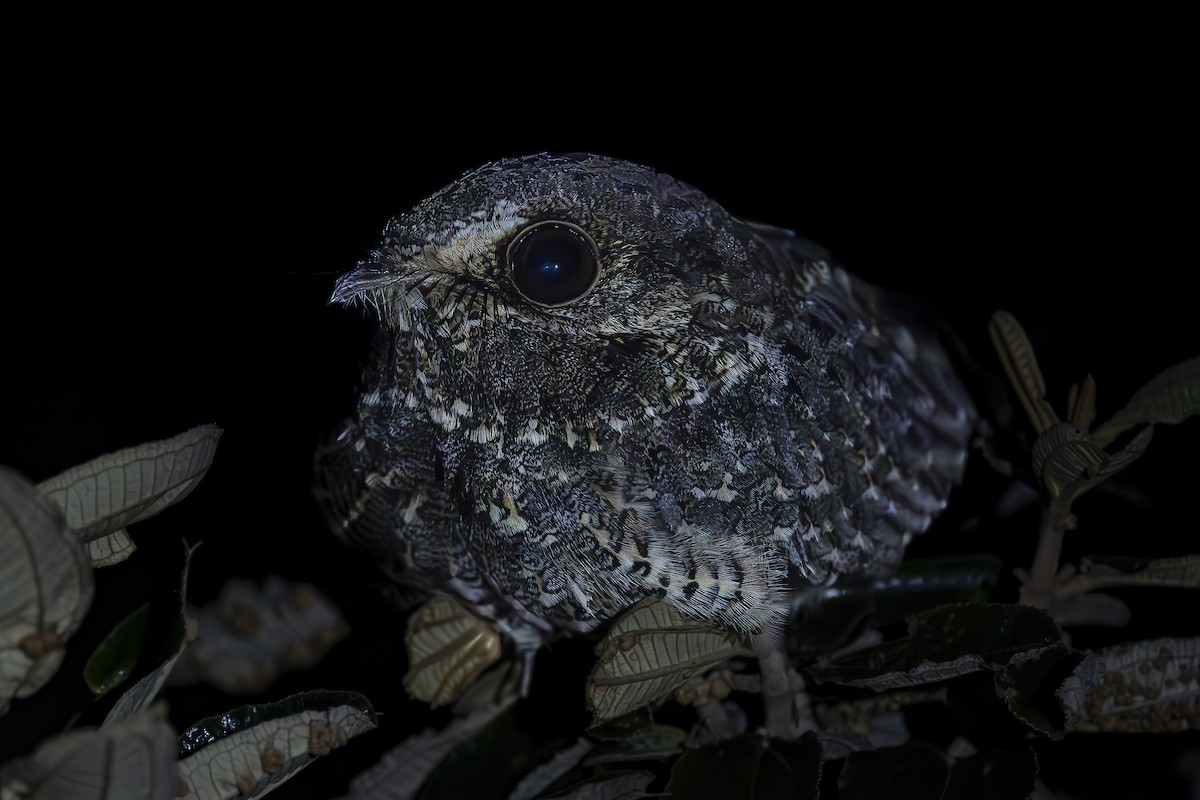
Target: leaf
<point>915,770</point>
<point>1063,454</point>
<point>110,492</point>
<point>1093,608</point>
<point>250,635</point>
<point>875,721</point>
<point>825,618</point>
<point>1171,397</point>
<point>1182,572</point>
<point>1020,364</point>
<point>1028,688</point>
<point>1151,686</point>
<point>610,785</point>
<point>252,750</point>
<point>133,760</point>
<point>45,587</point>
<point>650,651</point>
<point>176,637</point>
<point>1081,404</point>
<point>448,648</point>
<point>113,659</point>
<point>750,767</point>
<point>544,776</point>
<point>635,737</point>
<point>111,549</point>
<point>401,771</point>
<point>945,642</point>
<point>488,764</point>
<point>994,774</point>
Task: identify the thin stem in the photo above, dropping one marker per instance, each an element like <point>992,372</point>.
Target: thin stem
<point>1039,588</point>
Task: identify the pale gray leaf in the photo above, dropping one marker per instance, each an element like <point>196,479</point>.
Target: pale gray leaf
<point>1093,608</point>
<point>610,786</point>
<point>533,784</point>
<point>45,587</point>
<point>132,760</point>
<point>249,636</point>
<point>118,489</point>
<point>111,549</point>
<point>1151,686</point>
<point>1182,572</point>
<point>251,751</point>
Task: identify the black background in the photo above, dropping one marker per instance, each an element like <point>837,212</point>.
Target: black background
<point>175,222</point>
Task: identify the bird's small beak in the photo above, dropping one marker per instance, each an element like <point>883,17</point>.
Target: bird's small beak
<point>365,278</point>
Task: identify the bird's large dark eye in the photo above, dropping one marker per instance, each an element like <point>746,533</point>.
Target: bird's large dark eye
<point>553,263</point>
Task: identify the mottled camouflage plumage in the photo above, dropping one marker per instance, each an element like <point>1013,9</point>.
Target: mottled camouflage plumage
<point>725,416</point>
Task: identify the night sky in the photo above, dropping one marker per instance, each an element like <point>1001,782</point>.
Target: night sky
<point>169,255</point>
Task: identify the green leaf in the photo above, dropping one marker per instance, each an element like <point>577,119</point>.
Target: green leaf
<point>749,767</point>
<point>635,737</point>
<point>945,642</point>
<point>114,658</point>
<point>1028,687</point>
<point>915,770</point>
<point>489,764</point>
<point>825,618</point>
<point>400,772</point>
<point>994,774</point>
<point>1171,396</point>
<point>172,641</point>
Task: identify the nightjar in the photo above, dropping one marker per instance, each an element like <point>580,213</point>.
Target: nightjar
<point>592,384</point>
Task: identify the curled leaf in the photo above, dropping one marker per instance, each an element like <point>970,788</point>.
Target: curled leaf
<point>1150,686</point>
<point>118,489</point>
<point>134,759</point>
<point>45,587</point>
<point>111,549</point>
<point>177,635</point>
<point>251,750</point>
<point>1171,396</point>
<point>448,648</point>
<point>1063,454</point>
<point>650,651</point>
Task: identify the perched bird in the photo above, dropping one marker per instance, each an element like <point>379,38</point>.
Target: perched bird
<point>592,384</point>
